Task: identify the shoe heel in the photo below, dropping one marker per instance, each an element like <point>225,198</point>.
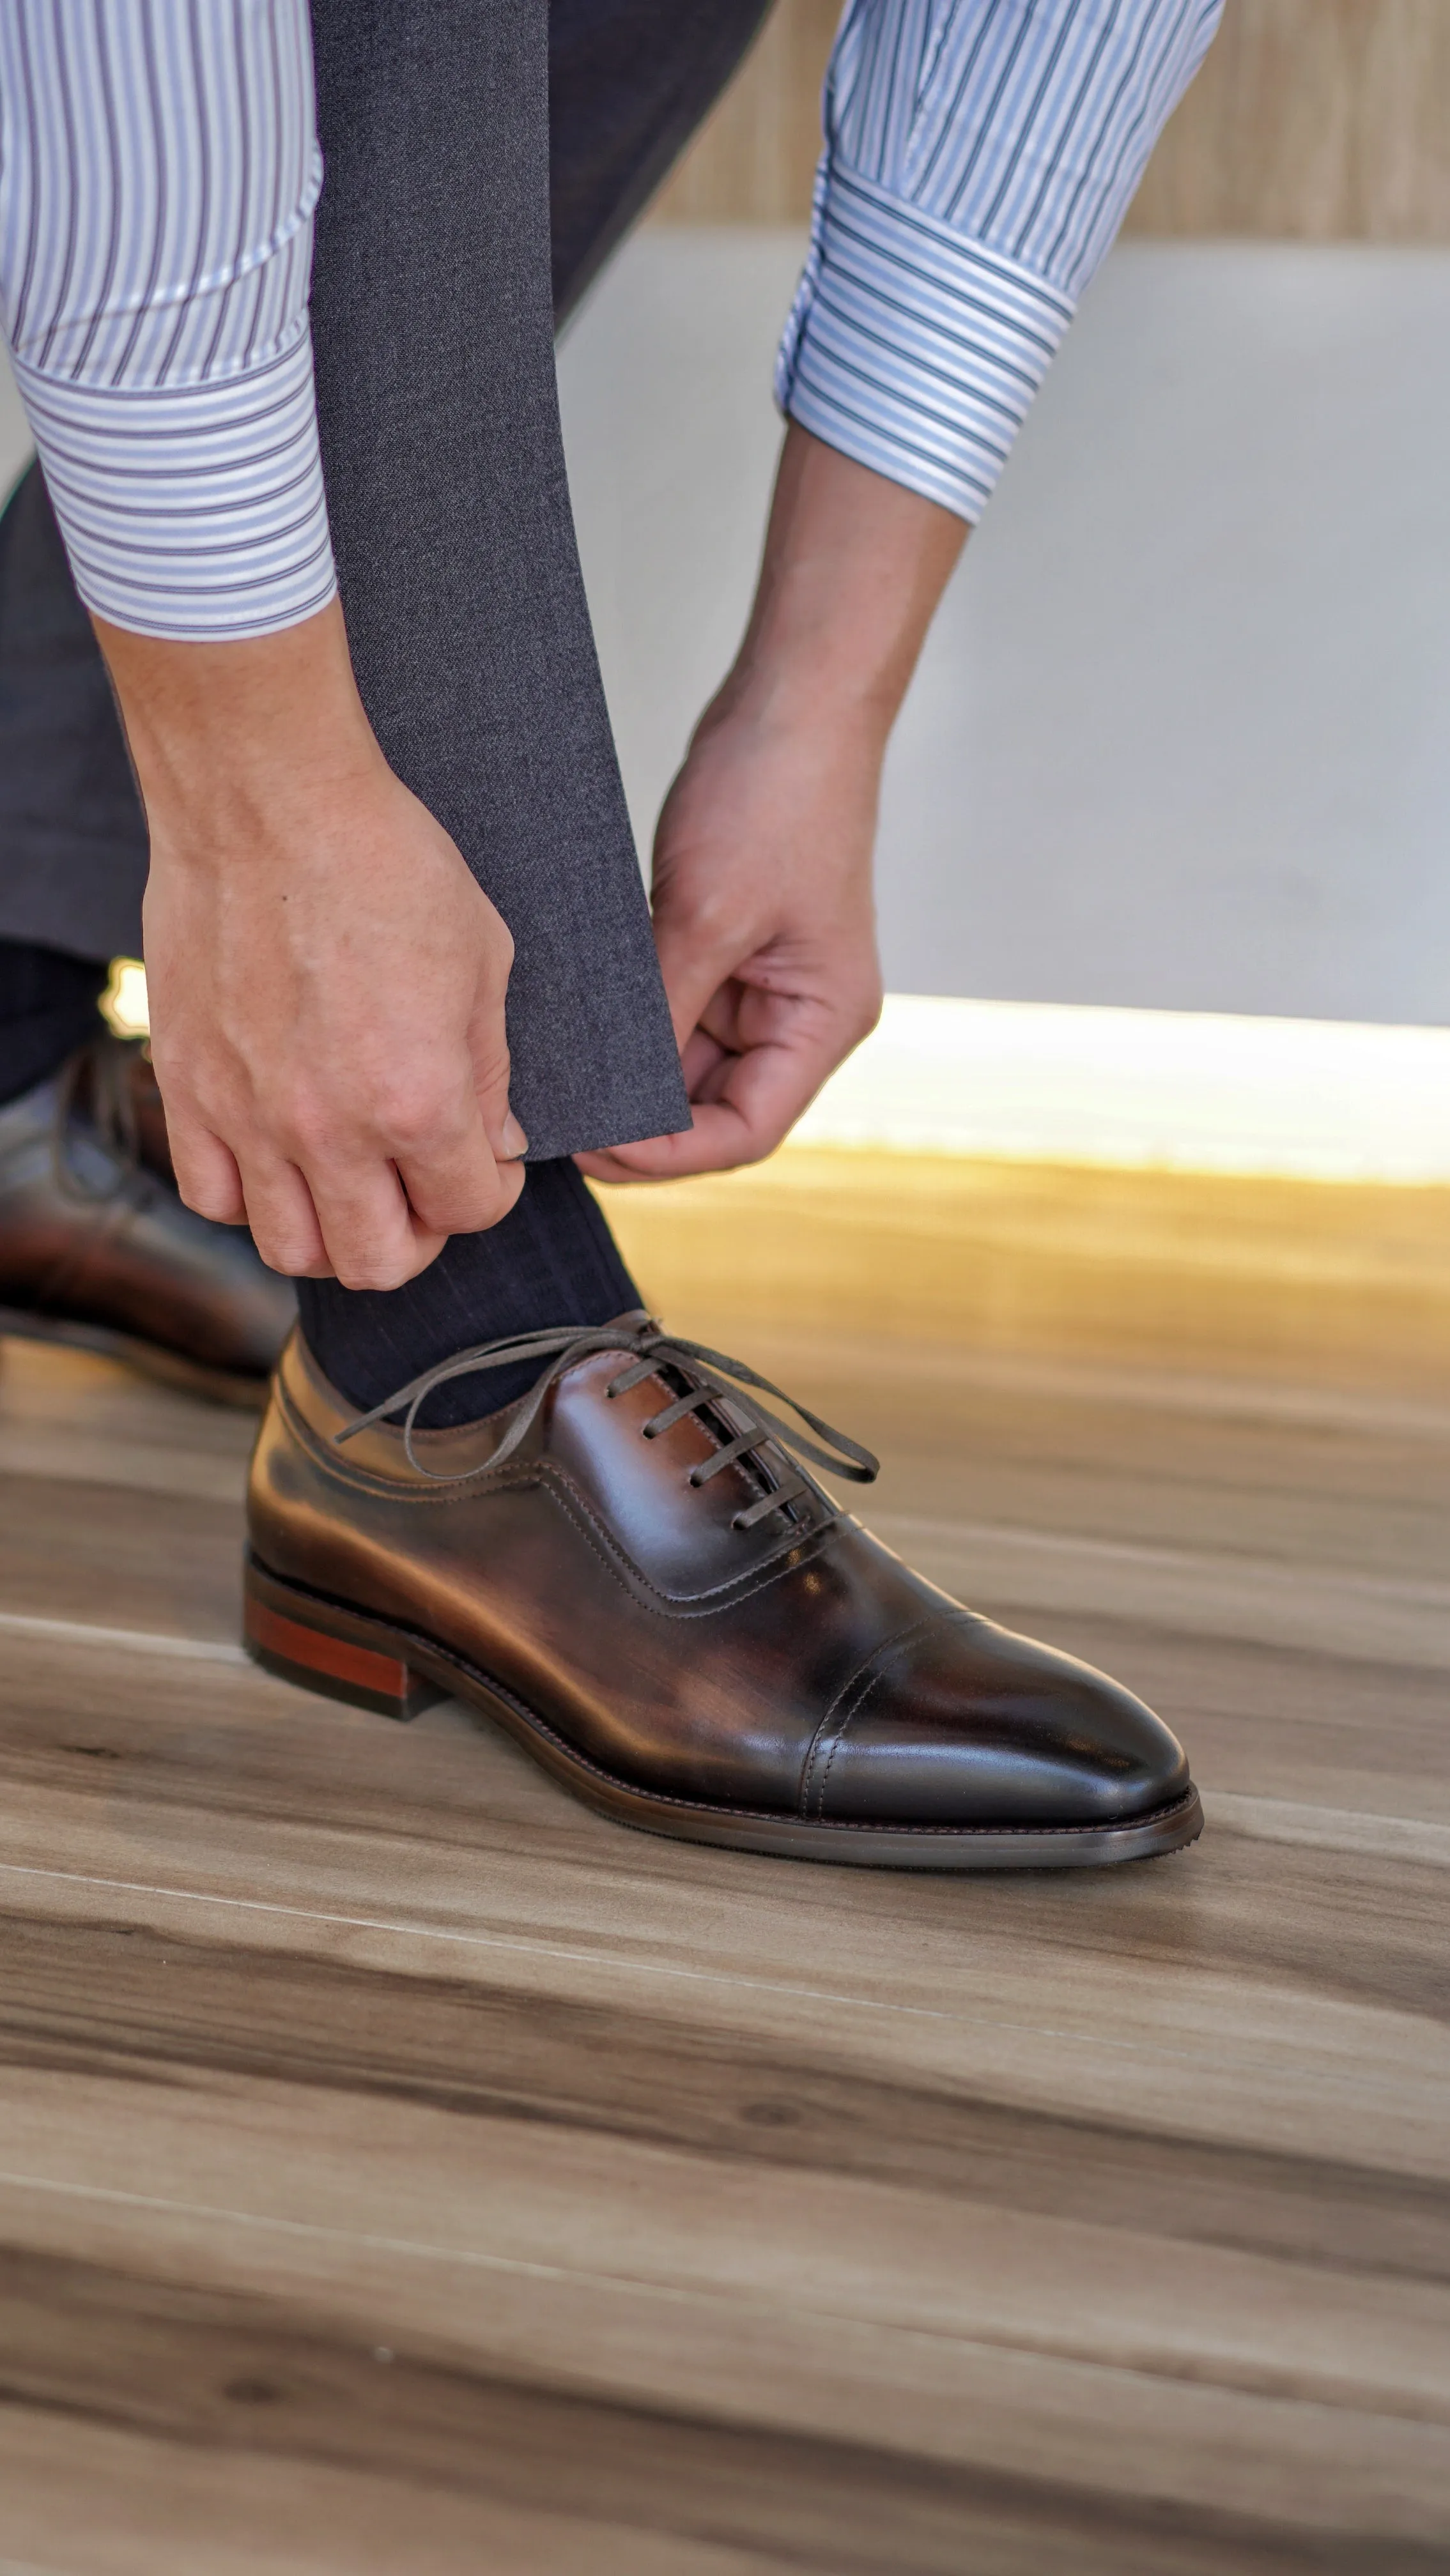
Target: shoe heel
<point>319,1648</point>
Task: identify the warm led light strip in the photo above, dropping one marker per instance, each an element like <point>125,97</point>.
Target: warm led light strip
<point>1058,1082</point>
<point>124,1003</point>
<point>1193,1091</point>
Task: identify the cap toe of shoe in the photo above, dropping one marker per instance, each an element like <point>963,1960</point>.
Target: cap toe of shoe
<point>971,1725</point>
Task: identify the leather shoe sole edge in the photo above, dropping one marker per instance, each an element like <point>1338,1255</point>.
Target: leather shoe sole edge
<point>328,1647</point>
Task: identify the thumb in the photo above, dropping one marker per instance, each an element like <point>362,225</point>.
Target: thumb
<point>488,1047</point>
<point>693,966</point>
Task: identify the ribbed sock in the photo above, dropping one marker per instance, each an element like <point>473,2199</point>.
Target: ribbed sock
<point>47,1009</point>
<point>553,1260</point>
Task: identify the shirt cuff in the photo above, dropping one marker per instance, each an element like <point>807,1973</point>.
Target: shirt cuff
<point>190,511</point>
<point>912,348</point>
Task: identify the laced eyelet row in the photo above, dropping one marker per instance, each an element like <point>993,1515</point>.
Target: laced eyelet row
<point>774,1499</point>
<point>710,1377</point>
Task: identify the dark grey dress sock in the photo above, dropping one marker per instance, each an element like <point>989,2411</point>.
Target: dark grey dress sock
<point>552,1261</point>
<point>47,1009</point>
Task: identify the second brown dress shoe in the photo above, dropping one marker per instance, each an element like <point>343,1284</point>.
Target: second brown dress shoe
<point>97,1250</point>
<point>629,1570</point>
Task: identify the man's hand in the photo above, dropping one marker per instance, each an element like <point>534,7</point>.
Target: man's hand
<point>326,978</point>
<point>766,933</point>
<point>762,870</point>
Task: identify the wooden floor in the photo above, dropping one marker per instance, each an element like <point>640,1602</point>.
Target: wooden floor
<point>404,2173</point>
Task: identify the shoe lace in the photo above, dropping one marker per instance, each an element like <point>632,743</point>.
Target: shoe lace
<point>709,1375</point>
<point>103,1071</point>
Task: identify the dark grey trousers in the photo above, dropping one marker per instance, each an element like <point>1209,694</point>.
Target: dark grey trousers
<point>483,157</point>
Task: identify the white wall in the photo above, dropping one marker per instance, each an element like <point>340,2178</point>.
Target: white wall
<point>1182,735</point>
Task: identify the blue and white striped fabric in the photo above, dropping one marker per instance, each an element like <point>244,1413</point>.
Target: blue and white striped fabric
<point>158,173</point>
<point>979,158</point>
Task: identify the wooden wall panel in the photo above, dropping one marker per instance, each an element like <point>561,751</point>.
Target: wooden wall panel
<point>1312,120</point>
<point>755,160</point>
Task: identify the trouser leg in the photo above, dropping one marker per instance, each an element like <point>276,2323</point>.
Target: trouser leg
<point>72,842</point>
<point>48,1003</point>
<point>451,526</point>
<point>72,838</point>
<point>629,82</point>
<point>552,1260</point>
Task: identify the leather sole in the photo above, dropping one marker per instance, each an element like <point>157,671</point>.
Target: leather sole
<point>347,1654</point>
<point>149,1359</point>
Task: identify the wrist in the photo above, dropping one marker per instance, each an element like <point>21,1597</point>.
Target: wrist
<point>853,568</point>
<point>261,821</point>
<point>802,699</point>
<point>227,738</point>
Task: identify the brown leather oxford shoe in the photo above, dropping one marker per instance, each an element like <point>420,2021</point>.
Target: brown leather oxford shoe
<point>629,1571</point>
<point>98,1251</point>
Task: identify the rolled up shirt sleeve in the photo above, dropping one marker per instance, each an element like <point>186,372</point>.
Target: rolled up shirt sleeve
<point>979,157</point>
<point>159,169</point>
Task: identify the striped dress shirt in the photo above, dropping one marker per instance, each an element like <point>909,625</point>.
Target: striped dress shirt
<point>158,174</point>
<point>979,157</point>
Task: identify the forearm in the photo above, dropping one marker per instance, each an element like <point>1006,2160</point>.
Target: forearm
<point>230,739</point>
<point>853,569</point>
<point>762,868</point>
<point>327,978</point>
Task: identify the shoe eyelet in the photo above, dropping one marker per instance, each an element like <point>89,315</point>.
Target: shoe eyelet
<point>693,1479</point>
<point>646,1431</point>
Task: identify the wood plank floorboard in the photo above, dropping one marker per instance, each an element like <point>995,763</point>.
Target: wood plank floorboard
<point>403,2170</point>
